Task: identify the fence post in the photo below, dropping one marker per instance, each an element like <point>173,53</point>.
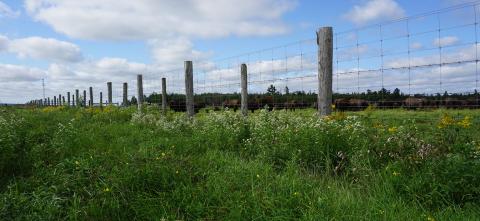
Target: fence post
<point>101,99</point>
<point>189,88</point>
<point>125,94</point>
<point>48,101</point>
<point>325,69</point>
<point>109,87</point>
<point>59,100</point>
<point>139,92</point>
<point>84,98</point>
<point>164,95</point>
<point>244,83</point>
<point>77,96</point>
<point>63,100</point>
<point>54,100</point>
<point>68,98</point>
<point>91,96</point>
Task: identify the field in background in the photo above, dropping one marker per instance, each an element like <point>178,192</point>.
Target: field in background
<point>113,163</point>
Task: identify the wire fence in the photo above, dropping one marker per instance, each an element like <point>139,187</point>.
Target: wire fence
<point>424,61</point>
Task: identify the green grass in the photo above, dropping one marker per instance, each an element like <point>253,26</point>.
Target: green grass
<point>61,163</point>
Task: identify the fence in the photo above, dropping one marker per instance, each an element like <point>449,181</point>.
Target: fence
<point>425,61</point>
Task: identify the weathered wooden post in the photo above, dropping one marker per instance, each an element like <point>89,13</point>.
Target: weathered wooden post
<point>109,88</point>
<point>77,96</point>
<point>125,94</point>
<point>84,98</point>
<point>244,83</point>
<point>59,100</point>
<point>139,92</point>
<point>164,95</point>
<point>325,69</point>
<point>48,101</point>
<point>54,100</point>
<point>73,100</point>
<point>189,88</point>
<point>45,102</point>
<point>91,96</point>
<point>101,99</point>
<point>68,98</point>
<point>63,100</point>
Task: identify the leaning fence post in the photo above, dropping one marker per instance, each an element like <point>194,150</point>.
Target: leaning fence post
<point>84,98</point>
<point>77,96</point>
<point>125,94</point>
<point>189,88</point>
<point>164,95</point>
<point>91,96</point>
<point>109,88</point>
<point>244,83</point>
<point>325,69</point>
<point>139,92</point>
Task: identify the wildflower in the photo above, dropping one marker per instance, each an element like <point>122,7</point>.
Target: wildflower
<point>392,129</point>
<point>295,193</point>
<point>430,218</point>
<point>258,176</point>
<point>76,162</point>
<point>445,121</point>
<point>176,172</point>
<point>163,154</point>
<point>381,211</point>
<point>466,122</point>
<point>395,173</point>
<point>106,190</point>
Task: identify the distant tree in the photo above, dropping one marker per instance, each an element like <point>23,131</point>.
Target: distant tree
<point>133,100</point>
<point>287,91</point>
<point>271,90</point>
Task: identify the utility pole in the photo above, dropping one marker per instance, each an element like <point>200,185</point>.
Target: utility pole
<point>43,86</point>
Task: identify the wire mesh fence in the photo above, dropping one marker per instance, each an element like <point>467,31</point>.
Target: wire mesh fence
<point>404,63</point>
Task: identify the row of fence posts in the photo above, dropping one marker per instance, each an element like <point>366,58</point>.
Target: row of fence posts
<point>324,100</point>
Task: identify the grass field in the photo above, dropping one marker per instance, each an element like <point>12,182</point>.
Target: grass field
<point>114,164</point>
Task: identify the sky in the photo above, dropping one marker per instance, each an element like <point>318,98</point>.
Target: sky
<point>74,44</point>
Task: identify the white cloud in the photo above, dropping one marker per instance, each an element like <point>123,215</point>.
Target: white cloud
<point>42,48</point>
<point>374,10</point>
<point>445,41</point>
<point>15,73</point>
<point>6,11</point>
<point>158,19</point>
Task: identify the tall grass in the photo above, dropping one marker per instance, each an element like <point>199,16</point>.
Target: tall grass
<point>115,164</point>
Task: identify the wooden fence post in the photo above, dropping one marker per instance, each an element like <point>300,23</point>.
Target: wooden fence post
<point>139,92</point>
<point>91,96</point>
<point>164,95</point>
<point>48,101</point>
<point>325,69</point>
<point>68,98</point>
<point>189,88</point>
<point>63,100</point>
<point>59,100</point>
<point>77,96</point>
<point>54,100</point>
<point>125,94</point>
<point>84,98</point>
<point>101,99</point>
<point>244,84</point>
<point>109,88</point>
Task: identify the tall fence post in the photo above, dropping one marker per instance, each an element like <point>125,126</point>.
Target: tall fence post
<point>101,99</point>
<point>84,98</point>
<point>125,94</point>
<point>164,95</point>
<point>54,100</point>
<point>59,100</point>
<point>325,69</point>
<point>91,96</point>
<point>109,88</point>
<point>48,101</point>
<point>63,100</point>
<point>244,83</point>
<point>189,88</point>
<point>77,96</point>
<point>68,98</point>
<point>139,92</point>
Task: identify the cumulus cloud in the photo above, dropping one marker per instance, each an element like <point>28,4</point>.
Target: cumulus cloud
<point>445,41</point>
<point>169,53</point>
<point>374,10</point>
<point>15,73</point>
<point>147,19</point>
<point>42,48</point>
<point>6,11</point>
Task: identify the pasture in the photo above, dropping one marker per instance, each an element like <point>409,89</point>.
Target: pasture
<point>60,163</point>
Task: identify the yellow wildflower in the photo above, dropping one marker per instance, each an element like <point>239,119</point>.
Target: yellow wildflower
<point>466,122</point>
<point>163,154</point>
<point>76,162</point>
<point>430,218</point>
<point>258,176</point>
<point>395,173</point>
<point>106,190</point>
<point>295,193</point>
<point>445,121</point>
<point>392,129</point>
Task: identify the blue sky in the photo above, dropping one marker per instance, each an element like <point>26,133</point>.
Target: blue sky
<point>71,43</point>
